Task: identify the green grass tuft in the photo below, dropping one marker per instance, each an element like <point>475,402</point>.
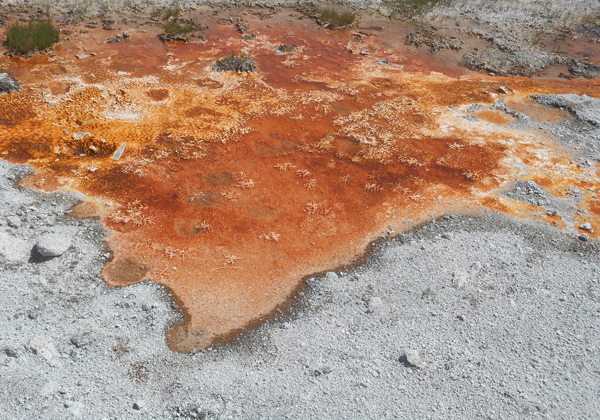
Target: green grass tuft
<point>335,18</point>
<point>172,13</point>
<point>174,28</point>
<point>24,38</point>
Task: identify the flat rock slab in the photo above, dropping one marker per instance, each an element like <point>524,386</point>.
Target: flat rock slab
<point>13,249</point>
<point>43,346</point>
<point>52,245</point>
<point>584,108</point>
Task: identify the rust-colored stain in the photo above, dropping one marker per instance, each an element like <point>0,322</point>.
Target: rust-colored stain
<point>84,210</point>
<point>495,117</point>
<point>233,187</point>
<point>540,113</point>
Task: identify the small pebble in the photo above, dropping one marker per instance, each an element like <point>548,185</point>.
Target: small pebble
<point>14,221</point>
<point>413,358</point>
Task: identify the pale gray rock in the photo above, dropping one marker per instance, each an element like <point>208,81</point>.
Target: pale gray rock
<point>375,302</point>
<point>331,276</point>
<point>52,245</point>
<point>80,135</point>
<point>413,358</point>
<point>75,407</point>
<point>43,346</point>
<point>460,278</point>
<point>14,221</point>
<point>117,155</point>
<point>49,389</point>
<point>13,249</point>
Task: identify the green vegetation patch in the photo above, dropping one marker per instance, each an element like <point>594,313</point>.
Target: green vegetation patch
<point>171,13</point>
<point>174,28</point>
<point>26,37</point>
<point>334,18</point>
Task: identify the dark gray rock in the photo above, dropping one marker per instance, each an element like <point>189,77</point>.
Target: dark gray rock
<point>241,27</point>
<point>235,63</point>
<point>165,37</point>
<point>83,339</point>
<point>9,84</point>
<point>521,62</point>
<point>528,192</point>
<point>286,49</point>
<point>584,108</point>
<point>11,352</point>
<point>118,38</point>
<point>584,237</point>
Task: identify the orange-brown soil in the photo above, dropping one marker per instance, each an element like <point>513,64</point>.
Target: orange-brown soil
<point>234,187</point>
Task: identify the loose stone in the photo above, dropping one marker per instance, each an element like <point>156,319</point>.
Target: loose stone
<point>52,245</point>
<point>413,358</point>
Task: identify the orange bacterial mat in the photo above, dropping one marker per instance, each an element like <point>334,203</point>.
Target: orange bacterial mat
<point>232,188</point>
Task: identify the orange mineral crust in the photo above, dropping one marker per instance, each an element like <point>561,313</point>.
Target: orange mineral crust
<point>233,187</point>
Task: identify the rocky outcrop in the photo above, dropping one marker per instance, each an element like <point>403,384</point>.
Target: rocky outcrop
<point>235,63</point>
<point>509,57</point>
<point>434,42</point>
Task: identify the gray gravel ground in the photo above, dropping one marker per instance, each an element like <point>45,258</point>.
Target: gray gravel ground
<point>509,16</point>
<point>499,319</point>
<point>580,136</point>
<point>583,130</point>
